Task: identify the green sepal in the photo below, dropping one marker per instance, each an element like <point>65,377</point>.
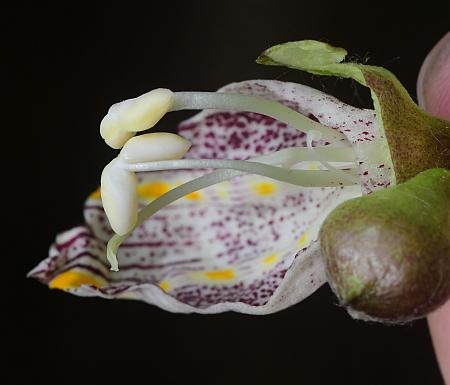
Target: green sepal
<point>416,141</point>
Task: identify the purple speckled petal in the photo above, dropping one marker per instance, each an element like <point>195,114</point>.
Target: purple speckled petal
<point>305,275</point>
<point>246,245</point>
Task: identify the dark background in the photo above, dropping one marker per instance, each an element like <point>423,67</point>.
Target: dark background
<point>78,62</point>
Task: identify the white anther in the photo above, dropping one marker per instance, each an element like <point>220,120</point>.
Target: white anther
<point>119,197</point>
<point>126,118</point>
<point>153,147</point>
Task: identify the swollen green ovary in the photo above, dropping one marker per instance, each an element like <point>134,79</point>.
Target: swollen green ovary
<point>388,253</point>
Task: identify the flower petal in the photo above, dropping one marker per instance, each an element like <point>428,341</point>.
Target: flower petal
<point>213,252</point>
<point>245,245</point>
<point>305,276</point>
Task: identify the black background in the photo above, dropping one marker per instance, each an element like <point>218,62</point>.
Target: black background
<point>78,62</point>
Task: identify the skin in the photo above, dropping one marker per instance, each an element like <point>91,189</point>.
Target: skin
<point>433,89</point>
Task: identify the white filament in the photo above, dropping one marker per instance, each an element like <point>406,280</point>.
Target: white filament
<point>314,135</point>
<point>249,103</point>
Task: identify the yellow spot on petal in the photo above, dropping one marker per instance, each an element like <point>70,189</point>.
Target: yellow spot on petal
<point>73,279</point>
<point>194,196</point>
<point>95,195</point>
<point>164,285</point>
<point>270,259</point>
<point>222,189</point>
<point>152,190</point>
<point>265,188</point>
<point>220,274</point>
<point>313,166</point>
<point>303,240</point>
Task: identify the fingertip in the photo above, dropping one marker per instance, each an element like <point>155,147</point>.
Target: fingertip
<point>433,93</point>
<point>439,324</point>
<point>433,84</point>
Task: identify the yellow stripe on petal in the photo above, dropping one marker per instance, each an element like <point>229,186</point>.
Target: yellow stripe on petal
<point>152,190</point>
<point>96,195</point>
<point>222,189</point>
<point>303,240</point>
<point>265,188</point>
<point>164,285</point>
<point>313,166</point>
<point>220,274</point>
<point>194,196</point>
<point>270,259</point>
<point>73,279</point>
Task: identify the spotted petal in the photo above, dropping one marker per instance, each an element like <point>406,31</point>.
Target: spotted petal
<point>247,245</point>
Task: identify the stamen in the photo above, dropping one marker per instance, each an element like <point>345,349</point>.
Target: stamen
<point>126,118</point>
<point>237,102</point>
<point>285,158</point>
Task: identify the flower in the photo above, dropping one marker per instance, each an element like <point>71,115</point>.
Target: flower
<point>234,239</point>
